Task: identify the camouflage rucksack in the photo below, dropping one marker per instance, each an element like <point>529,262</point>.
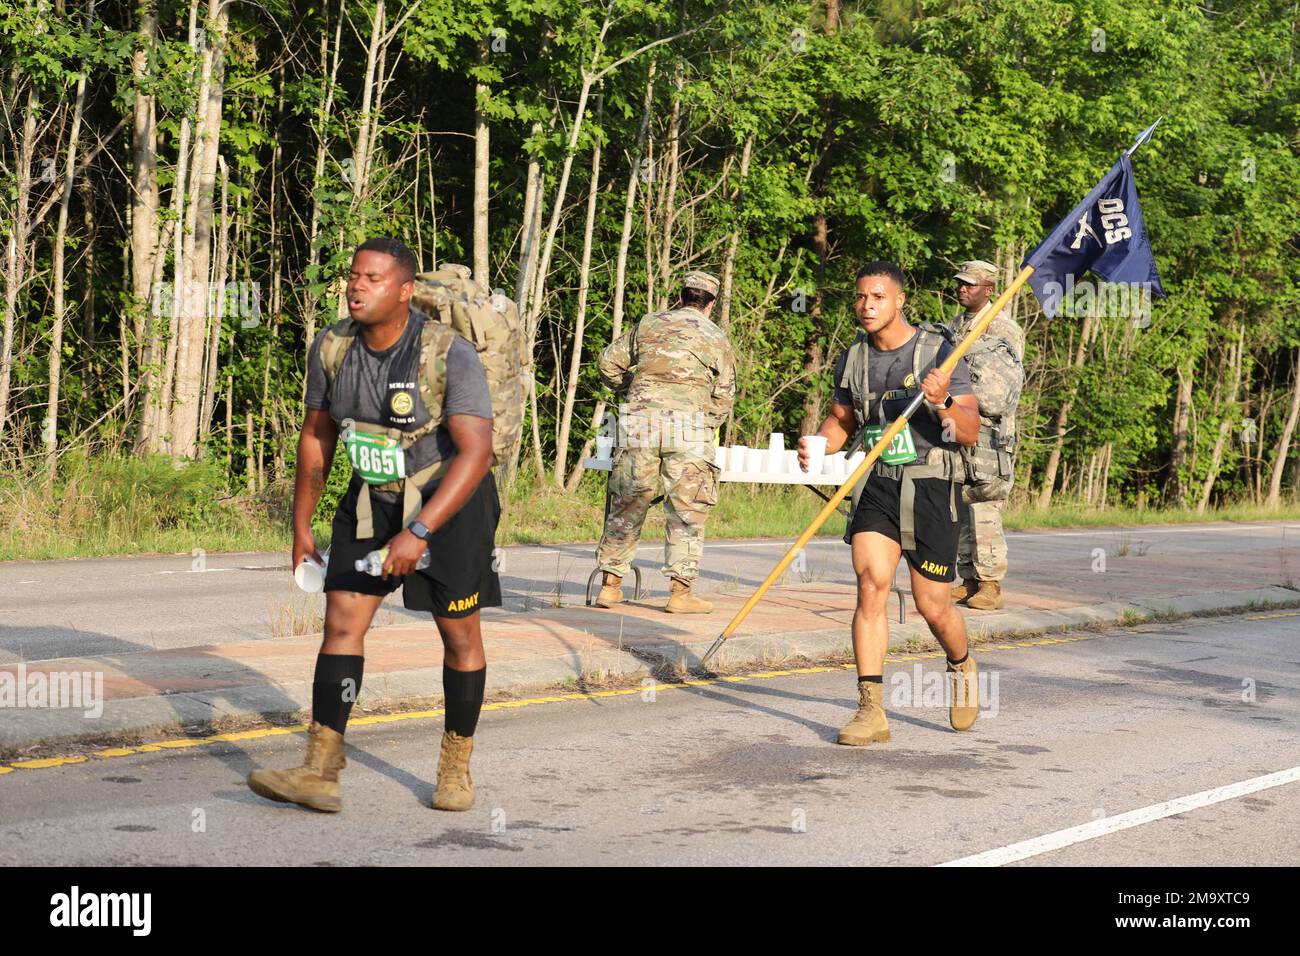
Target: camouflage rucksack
<point>490,322</point>
<point>997,378</point>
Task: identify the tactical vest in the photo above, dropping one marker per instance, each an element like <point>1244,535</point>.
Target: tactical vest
<point>940,462</point>
<point>996,379</point>
<point>435,343</point>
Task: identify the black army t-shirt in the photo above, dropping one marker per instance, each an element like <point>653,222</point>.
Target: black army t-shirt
<point>890,370</point>
<point>382,388</point>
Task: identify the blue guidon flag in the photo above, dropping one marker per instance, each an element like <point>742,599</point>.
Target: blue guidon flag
<point>1105,234</point>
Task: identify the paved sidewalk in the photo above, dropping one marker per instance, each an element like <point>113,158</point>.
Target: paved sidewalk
<point>149,690</point>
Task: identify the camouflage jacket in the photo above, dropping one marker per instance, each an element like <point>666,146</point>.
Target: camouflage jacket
<point>996,372</point>
<point>675,360</point>
<point>1002,326</point>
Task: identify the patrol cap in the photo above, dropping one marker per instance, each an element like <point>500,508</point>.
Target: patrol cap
<point>978,272</point>
<point>702,281</point>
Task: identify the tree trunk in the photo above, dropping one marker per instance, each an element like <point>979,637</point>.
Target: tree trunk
<point>1176,485</point>
<point>1225,426</point>
<point>311,301</point>
<point>580,322</point>
<point>832,15</point>
<point>223,275</point>
<point>250,462</point>
<point>1284,443</point>
<point>155,421</point>
<point>145,239</point>
<point>669,194</point>
<point>482,167</point>
<point>620,264</point>
<point>814,354</point>
<point>361,150</point>
<point>192,331</point>
<point>16,256</point>
<point>729,262</point>
<point>1063,416</point>
<point>51,429</point>
<point>230,424</point>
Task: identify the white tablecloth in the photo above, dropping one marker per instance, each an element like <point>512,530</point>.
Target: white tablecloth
<point>605,464</point>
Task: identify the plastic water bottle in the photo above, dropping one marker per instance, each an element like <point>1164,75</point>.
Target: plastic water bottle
<point>373,563</point>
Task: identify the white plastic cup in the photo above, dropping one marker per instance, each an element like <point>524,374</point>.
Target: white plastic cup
<point>816,448</point>
<point>720,457</point>
<point>310,576</point>
<point>755,458</point>
<point>835,465</point>
<point>604,447</point>
<point>791,459</point>
<point>736,458</point>
<point>776,446</point>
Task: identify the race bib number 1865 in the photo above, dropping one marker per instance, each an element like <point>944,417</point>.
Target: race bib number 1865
<point>378,459</point>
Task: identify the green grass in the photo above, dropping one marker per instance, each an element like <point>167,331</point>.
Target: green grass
<point>550,516</point>
<point>127,505</point>
<point>121,504</point>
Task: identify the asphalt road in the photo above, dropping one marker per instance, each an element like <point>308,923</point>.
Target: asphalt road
<point>748,773</point>
<point>56,609</point>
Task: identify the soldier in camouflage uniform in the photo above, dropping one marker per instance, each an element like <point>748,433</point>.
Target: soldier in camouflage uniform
<point>997,377</point>
<point>680,376</point>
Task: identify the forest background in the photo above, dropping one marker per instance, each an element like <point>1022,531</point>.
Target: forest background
<point>182,183</point>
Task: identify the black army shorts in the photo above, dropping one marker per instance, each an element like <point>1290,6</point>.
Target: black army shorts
<point>935,555</point>
<point>460,577</point>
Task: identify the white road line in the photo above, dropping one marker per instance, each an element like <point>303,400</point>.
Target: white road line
<point>1134,818</point>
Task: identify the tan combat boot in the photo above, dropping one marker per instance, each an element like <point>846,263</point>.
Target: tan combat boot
<point>868,725</point>
<point>964,589</point>
<point>965,706</point>
<point>989,597</point>
<point>316,783</point>
<point>683,602</point>
<point>611,591</point>
<point>455,788</point>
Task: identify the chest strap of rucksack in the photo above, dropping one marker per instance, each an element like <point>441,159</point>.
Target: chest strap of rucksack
<point>907,476</point>
<point>410,486</point>
<point>412,498</point>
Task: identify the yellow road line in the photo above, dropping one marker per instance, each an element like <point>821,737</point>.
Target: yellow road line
<point>1269,617</point>
<point>362,721</point>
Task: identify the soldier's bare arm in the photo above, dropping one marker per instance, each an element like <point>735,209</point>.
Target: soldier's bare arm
<point>316,445</point>
<point>963,416</point>
<point>837,429</point>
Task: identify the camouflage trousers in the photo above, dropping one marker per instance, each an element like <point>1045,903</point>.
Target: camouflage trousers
<point>981,545</point>
<point>690,488</point>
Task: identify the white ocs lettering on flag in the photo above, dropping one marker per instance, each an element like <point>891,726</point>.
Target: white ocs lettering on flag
<point>1113,222</point>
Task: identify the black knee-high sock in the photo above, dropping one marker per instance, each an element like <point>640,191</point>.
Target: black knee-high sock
<point>463,695</point>
<point>335,688</point>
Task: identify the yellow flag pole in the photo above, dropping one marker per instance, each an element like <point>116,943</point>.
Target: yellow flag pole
<point>885,440</point>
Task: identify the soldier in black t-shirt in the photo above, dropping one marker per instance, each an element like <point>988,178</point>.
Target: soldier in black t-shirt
<point>411,401</point>
<point>909,504</point>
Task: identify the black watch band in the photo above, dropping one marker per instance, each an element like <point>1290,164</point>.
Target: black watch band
<point>419,530</point>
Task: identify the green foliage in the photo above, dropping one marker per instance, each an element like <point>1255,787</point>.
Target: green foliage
<point>928,131</point>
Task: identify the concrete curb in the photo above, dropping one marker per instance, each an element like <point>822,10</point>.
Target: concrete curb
<point>162,714</point>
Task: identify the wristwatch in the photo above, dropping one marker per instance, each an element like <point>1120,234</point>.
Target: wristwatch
<point>419,530</point>
<point>947,403</point>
